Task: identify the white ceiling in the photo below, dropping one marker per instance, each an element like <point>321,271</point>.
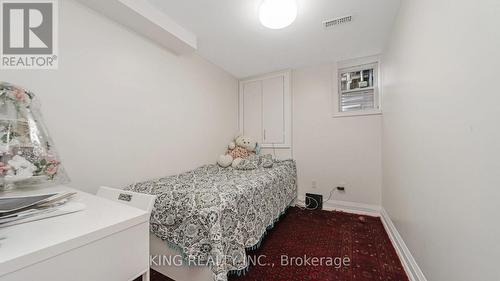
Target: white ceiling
<point>231,36</point>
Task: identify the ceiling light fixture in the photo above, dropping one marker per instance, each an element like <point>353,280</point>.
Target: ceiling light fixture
<point>277,14</point>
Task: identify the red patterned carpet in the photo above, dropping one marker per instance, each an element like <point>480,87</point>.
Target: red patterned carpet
<point>328,238</point>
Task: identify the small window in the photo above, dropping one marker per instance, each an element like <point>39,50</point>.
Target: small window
<point>358,90</point>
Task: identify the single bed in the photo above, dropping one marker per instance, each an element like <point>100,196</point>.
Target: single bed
<point>211,215</point>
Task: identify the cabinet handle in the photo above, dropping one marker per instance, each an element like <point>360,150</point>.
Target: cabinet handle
<point>264,135</point>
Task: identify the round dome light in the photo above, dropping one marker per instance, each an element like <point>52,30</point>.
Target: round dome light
<point>277,14</point>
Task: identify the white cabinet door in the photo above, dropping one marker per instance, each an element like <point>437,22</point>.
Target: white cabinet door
<point>273,110</point>
<point>265,110</point>
<point>252,110</point>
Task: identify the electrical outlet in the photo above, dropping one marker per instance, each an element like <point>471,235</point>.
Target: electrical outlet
<point>342,187</point>
<point>313,184</point>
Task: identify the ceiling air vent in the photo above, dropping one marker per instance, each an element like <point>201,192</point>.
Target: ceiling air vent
<point>338,21</point>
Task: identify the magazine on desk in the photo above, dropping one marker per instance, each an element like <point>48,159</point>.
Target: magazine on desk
<point>22,209</point>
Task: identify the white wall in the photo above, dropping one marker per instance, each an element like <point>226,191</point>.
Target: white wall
<point>121,109</point>
<point>333,151</point>
<point>441,136</point>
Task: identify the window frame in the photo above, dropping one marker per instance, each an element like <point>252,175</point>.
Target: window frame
<point>354,65</point>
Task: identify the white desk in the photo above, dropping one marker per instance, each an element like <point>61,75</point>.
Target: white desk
<point>107,241</point>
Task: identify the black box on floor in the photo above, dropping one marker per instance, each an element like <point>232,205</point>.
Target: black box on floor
<point>314,201</point>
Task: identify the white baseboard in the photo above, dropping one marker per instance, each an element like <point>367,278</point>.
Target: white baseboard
<point>410,265</point>
<point>348,207</point>
<point>351,207</point>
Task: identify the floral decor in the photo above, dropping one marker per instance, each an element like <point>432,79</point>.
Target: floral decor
<point>27,155</point>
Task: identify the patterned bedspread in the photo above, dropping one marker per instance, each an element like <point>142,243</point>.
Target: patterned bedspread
<point>213,214</point>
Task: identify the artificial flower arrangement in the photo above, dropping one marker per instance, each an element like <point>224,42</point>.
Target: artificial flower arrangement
<point>27,155</point>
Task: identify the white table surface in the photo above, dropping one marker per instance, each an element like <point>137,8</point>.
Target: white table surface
<point>26,244</point>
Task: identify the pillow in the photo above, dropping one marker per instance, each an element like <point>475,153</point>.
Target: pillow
<point>266,161</point>
<point>255,161</point>
<point>250,163</point>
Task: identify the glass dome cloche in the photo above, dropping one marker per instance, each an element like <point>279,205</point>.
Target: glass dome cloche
<point>27,154</point>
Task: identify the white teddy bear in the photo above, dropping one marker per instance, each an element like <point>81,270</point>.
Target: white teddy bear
<point>240,148</point>
<point>21,168</point>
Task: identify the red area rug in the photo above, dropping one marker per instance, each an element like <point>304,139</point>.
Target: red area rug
<point>329,238</point>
